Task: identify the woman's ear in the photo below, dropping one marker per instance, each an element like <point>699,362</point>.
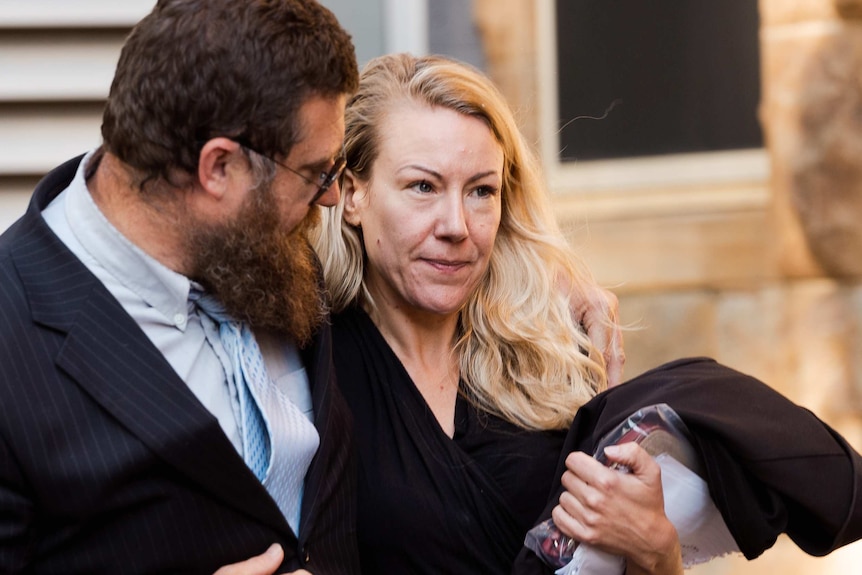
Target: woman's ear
<point>355,195</point>
<point>214,163</point>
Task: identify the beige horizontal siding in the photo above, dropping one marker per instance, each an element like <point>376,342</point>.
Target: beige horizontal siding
<point>72,13</point>
<point>34,139</point>
<point>57,66</point>
<point>57,59</point>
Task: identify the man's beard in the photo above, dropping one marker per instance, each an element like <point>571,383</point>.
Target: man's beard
<point>262,274</point>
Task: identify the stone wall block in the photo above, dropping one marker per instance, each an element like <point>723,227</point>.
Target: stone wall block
<point>785,57</point>
<point>750,324</point>
<point>812,117</point>
<point>776,12</point>
<point>826,166</point>
<point>508,38</point>
<point>666,327</point>
<point>819,326</point>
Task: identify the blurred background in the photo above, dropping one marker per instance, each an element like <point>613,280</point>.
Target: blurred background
<point>704,158</point>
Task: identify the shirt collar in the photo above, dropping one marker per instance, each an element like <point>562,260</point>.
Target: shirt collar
<point>158,286</point>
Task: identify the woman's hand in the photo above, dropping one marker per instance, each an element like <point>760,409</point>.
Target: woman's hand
<point>621,513</point>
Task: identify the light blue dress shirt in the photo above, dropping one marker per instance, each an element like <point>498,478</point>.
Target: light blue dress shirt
<point>156,297</point>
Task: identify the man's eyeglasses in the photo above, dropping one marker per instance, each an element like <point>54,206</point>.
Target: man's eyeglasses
<point>326,178</point>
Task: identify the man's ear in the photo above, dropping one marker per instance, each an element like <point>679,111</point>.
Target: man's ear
<point>355,197</point>
<point>217,162</point>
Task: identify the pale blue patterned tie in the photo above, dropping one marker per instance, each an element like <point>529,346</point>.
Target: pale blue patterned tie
<point>279,442</point>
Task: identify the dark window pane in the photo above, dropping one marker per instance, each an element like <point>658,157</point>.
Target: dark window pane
<point>676,75</point>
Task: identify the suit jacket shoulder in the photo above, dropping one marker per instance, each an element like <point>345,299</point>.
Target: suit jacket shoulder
<point>109,462</point>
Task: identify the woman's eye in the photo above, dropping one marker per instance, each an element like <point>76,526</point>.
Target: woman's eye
<point>423,186</point>
<point>485,191</point>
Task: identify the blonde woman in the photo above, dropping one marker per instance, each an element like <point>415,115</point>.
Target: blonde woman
<point>454,341</point>
<point>463,365</point>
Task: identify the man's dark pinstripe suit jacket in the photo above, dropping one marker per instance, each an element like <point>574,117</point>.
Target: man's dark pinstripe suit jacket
<point>108,462</point>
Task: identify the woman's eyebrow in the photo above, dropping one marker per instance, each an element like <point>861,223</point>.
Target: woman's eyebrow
<point>481,175</point>
<point>422,169</point>
<point>439,176</point>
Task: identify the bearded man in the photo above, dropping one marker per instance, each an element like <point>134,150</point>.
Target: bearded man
<point>167,402</point>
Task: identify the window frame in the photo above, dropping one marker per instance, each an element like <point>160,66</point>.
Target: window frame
<point>674,172</point>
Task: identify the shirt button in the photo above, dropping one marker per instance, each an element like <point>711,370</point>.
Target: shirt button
<point>306,556</point>
<point>179,320</point>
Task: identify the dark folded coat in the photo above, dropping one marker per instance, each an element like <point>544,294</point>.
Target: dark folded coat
<point>772,466</point>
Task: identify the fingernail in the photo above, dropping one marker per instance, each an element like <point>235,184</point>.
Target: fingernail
<point>612,450</point>
<point>274,549</point>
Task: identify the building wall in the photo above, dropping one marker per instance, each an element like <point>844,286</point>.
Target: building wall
<point>761,273</point>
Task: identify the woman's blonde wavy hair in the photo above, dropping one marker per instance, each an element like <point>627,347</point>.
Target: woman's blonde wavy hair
<point>522,354</point>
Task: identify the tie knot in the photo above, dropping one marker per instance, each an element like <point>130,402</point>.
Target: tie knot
<point>209,305</point>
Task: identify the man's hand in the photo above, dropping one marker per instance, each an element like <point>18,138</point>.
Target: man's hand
<point>597,310</point>
<point>264,564</point>
<point>621,513</point>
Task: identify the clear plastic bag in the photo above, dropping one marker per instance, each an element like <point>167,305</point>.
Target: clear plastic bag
<point>658,429</point>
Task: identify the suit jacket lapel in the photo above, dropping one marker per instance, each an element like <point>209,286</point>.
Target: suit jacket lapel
<point>108,355</point>
<point>326,468</point>
<point>318,377</point>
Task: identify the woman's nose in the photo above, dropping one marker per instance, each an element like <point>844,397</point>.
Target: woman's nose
<point>452,221</point>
